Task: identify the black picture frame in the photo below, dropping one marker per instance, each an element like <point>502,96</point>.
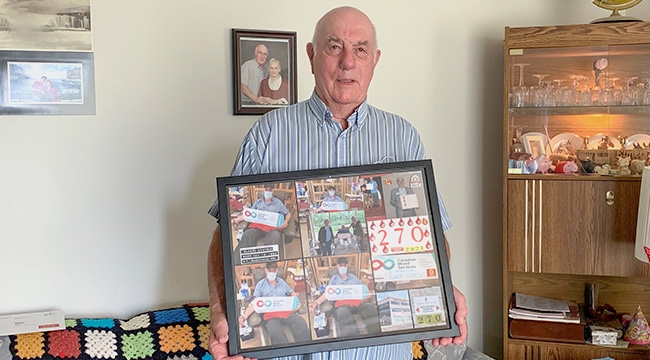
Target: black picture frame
<point>280,46</point>
<point>399,258</point>
<point>71,75</point>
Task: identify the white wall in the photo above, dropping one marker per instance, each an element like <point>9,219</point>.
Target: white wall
<point>105,215</point>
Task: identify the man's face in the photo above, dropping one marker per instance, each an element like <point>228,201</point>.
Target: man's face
<point>400,182</point>
<point>261,52</point>
<point>353,219</point>
<point>343,59</point>
<point>327,223</point>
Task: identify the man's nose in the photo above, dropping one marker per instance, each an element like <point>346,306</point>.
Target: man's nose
<point>347,59</point>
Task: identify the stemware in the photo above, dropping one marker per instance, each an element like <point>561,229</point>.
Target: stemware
<point>596,89</point>
<point>537,93</point>
<point>629,95</point>
<point>520,93</point>
<point>584,93</point>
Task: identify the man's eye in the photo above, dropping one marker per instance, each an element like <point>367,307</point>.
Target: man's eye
<point>334,49</point>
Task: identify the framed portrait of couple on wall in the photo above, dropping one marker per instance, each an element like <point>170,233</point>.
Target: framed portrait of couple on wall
<point>264,70</point>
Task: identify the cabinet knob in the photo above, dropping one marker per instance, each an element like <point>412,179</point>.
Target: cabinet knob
<point>609,197</point>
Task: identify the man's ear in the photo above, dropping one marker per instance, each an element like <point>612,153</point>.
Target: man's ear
<point>377,56</point>
<point>310,55</point>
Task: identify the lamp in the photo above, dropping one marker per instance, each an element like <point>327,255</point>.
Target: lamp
<point>642,248</point>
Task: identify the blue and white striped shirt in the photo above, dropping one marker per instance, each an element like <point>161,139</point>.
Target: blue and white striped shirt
<point>304,136</point>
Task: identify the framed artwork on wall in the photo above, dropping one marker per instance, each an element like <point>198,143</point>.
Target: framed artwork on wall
<point>334,258</point>
<point>47,83</point>
<point>264,70</point>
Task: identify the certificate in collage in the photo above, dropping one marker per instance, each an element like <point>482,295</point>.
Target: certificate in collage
<point>334,258</point>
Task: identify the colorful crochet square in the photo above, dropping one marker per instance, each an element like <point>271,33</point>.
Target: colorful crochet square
<point>204,335</point>
<point>101,344</point>
<point>176,338</point>
<point>98,323</point>
<point>69,323</point>
<point>207,356</point>
<point>30,346</point>
<point>419,351</point>
<point>64,344</point>
<point>171,316</point>
<point>201,313</point>
<point>139,322</point>
<point>138,345</point>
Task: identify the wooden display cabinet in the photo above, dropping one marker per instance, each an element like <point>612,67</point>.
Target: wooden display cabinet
<point>564,230</point>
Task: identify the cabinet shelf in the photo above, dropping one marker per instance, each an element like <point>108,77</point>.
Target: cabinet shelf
<point>573,177</point>
<point>581,110</point>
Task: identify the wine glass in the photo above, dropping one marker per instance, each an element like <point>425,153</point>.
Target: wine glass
<point>596,89</point>
<point>520,94</point>
<point>537,93</point>
<point>645,99</point>
<point>629,95</point>
<point>549,89</point>
<point>584,94</point>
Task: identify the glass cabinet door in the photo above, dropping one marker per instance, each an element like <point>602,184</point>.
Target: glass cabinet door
<point>579,110</point>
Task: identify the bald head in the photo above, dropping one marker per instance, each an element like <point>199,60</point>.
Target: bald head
<point>344,11</point>
<point>343,55</point>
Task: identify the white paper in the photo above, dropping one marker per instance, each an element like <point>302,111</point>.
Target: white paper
<point>409,201</point>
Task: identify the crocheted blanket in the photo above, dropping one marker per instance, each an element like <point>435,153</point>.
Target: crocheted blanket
<point>179,333</point>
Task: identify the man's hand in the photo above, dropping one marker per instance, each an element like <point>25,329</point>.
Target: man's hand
<point>312,306</point>
<point>461,319</point>
<point>219,337</point>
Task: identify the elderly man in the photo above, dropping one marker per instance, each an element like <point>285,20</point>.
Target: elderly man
<point>335,127</point>
<point>396,199</point>
<point>253,72</point>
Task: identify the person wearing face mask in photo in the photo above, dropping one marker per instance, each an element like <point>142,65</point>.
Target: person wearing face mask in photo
<point>332,202</point>
<point>345,309</point>
<point>273,286</point>
<point>255,232</point>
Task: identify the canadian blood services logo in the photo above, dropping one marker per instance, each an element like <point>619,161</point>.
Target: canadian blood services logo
<point>333,291</point>
<point>377,264</point>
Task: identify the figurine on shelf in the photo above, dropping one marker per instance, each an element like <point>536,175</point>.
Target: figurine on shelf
<point>636,166</point>
<point>602,170</point>
<point>530,166</point>
<point>623,165</point>
<point>566,167</point>
<point>605,143</point>
<point>565,147</point>
<point>588,165</point>
<point>543,164</point>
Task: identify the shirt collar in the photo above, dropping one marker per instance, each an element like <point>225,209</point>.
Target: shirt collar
<point>324,115</point>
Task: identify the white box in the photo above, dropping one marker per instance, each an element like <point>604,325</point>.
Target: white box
<point>32,322</point>
<point>603,335</point>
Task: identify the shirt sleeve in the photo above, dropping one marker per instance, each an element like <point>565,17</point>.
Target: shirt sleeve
<point>247,162</point>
